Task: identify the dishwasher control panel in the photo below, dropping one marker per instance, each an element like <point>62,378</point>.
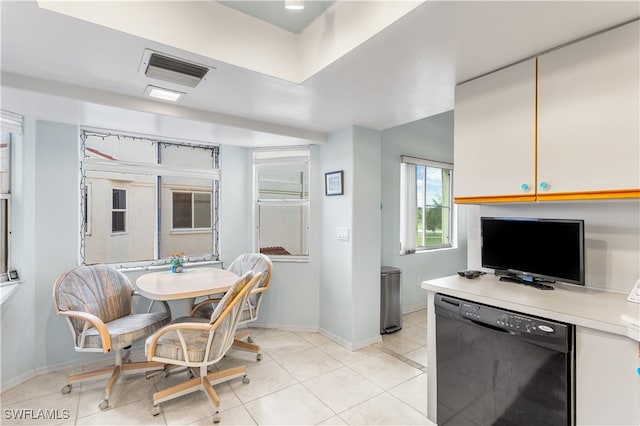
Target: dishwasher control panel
<point>506,320</point>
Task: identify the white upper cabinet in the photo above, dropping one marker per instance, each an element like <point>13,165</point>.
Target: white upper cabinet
<point>569,130</point>
<point>494,135</point>
<point>589,115</point>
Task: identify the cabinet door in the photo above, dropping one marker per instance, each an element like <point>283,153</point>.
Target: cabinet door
<point>494,136</point>
<point>589,112</point>
<point>607,384</point>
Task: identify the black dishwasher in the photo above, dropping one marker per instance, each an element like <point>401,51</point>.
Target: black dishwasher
<point>499,367</point>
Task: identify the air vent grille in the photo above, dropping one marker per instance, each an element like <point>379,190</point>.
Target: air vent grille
<point>175,70</point>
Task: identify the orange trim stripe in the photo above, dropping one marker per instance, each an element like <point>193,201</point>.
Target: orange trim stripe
<point>591,195</point>
<point>562,196</point>
<point>495,199</point>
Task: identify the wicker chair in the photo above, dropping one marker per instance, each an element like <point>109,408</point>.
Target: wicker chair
<point>97,302</point>
<point>255,262</point>
<point>198,343</point>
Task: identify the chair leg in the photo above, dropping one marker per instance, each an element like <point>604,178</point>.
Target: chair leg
<point>246,346</point>
<point>226,375</point>
<point>113,373</point>
<point>213,397</point>
<point>175,391</point>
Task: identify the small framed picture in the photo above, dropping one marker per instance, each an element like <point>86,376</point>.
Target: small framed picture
<point>333,184</point>
<point>13,275</point>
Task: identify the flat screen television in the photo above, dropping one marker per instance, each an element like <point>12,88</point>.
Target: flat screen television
<point>534,250</point>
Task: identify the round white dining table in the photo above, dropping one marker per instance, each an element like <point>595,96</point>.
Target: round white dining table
<point>186,285</point>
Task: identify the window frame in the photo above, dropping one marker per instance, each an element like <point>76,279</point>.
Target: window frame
<point>450,205</point>
<point>282,156</point>
<point>11,127</point>
<point>158,170</point>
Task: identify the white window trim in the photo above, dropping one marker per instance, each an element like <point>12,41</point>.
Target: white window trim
<point>288,156</point>
<point>88,187</point>
<point>408,244</point>
<point>11,125</point>
<point>155,169</point>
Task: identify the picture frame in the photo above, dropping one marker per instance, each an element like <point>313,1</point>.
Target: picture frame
<point>334,183</point>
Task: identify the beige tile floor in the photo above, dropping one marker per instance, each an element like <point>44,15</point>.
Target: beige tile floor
<point>303,379</point>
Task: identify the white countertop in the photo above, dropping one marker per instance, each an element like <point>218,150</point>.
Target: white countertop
<point>597,309</point>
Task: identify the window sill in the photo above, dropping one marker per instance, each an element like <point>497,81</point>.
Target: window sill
<point>7,289</point>
<point>434,250</point>
<point>289,259</point>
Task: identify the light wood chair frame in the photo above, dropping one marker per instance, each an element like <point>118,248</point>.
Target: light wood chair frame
<point>204,380</point>
<point>121,367</point>
<point>238,343</point>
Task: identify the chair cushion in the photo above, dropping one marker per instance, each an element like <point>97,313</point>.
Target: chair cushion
<point>170,347</point>
<point>127,330</point>
<point>98,289</point>
<point>206,311</point>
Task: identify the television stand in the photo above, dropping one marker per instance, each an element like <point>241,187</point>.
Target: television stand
<point>535,283</point>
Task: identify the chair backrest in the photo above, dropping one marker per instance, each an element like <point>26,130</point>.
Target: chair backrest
<point>256,262</point>
<point>227,314</point>
<point>97,289</point>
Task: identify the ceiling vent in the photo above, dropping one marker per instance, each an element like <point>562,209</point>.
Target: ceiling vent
<point>168,68</point>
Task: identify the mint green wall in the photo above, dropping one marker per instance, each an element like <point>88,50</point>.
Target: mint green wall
<point>366,240</point>
<point>46,209</point>
<point>430,138</point>
<point>17,328</point>
<point>336,292</point>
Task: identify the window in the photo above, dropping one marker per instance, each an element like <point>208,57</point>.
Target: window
<point>191,210</point>
<point>146,198</point>
<point>282,202</point>
<point>11,132</point>
<point>426,214</point>
<point>119,210</point>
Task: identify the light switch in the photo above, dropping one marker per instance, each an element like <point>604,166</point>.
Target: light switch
<point>343,234</point>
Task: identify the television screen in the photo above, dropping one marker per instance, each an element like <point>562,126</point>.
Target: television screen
<point>534,249</point>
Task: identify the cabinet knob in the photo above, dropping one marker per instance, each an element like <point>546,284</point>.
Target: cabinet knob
<point>544,185</point>
<point>524,187</point>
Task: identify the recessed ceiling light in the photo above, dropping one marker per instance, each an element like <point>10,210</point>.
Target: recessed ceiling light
<point>164,94</point>
<point>294,4</point>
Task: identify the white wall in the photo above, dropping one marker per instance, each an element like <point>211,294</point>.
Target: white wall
<point>430,138</point>
<point>612,236</point>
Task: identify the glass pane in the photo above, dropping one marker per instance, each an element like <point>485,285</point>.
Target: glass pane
<point>119,199</point>
<point>117,221</point>
<point>185,239</point>
<point>181,210</point>
<point>201,210</point>
<point>434,187</point>
<point>113,148</point>
<point>283,230</point>
<point>437,224</point>
<point>137,244</point>
<point>186,156</point>
<point>283,181</point>
<point>4,235</point>
<point>4,166</point>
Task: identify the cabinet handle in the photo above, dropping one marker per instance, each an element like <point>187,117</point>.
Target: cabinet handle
<point>525,187</point>
<point>544,186</point>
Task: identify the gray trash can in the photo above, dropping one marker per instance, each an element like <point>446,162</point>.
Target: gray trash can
<point>390,311</point>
